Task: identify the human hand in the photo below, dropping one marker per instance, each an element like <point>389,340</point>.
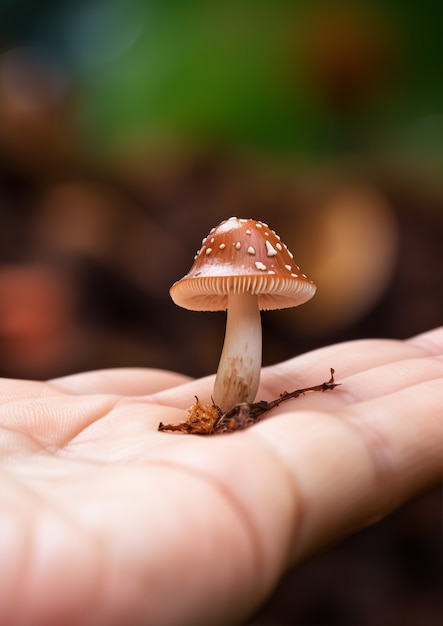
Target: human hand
<point>106,521</point>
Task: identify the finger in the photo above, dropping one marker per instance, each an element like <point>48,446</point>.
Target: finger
<point>15,389</point>
<point>346,358</point>
<point>123,381</point>
<point>47,424</point>
<point>431,341</point>
<point>353,466</point>
<point>375,382</point>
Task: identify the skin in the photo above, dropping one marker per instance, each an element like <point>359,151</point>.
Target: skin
<point>104,520</point>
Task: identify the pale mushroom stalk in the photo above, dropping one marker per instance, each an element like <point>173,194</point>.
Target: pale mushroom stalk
<point>238,373</point>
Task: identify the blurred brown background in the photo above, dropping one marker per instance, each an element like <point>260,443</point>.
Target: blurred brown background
<point>129,128</point>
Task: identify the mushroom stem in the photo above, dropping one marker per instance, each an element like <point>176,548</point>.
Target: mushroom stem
<point>238,373</point>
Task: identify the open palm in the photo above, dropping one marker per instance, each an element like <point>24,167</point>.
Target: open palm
<point>105,520</point>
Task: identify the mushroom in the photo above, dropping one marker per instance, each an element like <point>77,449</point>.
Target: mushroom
<point>242,266</point>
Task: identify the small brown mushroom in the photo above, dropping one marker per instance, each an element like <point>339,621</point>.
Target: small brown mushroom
<point>242,266</point>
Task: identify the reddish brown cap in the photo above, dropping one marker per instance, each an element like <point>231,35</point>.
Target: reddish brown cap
<point>242,256</point>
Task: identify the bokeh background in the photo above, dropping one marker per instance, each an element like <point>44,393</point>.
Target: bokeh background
<point>128,128</point>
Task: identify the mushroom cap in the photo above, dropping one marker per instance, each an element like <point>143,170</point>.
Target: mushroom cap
<point>242,256</point>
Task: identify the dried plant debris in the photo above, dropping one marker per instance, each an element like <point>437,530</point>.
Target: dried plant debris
<point>209,420</point>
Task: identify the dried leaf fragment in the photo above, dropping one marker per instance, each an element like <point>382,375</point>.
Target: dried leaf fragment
<point>200,421</point>
<point>209,420</point>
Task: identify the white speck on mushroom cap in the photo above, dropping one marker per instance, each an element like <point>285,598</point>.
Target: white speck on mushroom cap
<point>270,250</point>
<point>262,266</point>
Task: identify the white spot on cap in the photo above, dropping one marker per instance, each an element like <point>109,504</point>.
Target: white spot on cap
<point>208,250</point>
<point>222,246</point>
<point>294,275</point>
<point>270,250</point>
<point>238,245</point>
<point>278,246</point>
<point>260,266</point>
<point>259,225</point>
<point>251,250</point>
<point>212,240</point>
<point>271,272</point>
<point>290,254</point>
<point>288,267</point>
<point>247,231</point>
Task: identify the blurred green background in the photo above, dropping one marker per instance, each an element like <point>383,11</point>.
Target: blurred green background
<point>129,128</point>
<point>307,77</point>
